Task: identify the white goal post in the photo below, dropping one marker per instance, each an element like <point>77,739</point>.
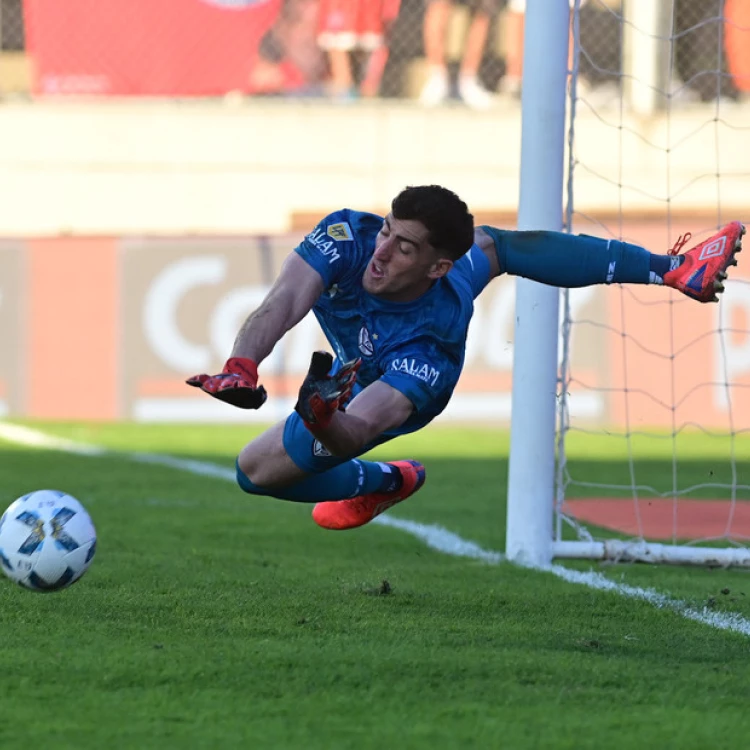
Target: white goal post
<point>530,537</point>
<point>531,468</point>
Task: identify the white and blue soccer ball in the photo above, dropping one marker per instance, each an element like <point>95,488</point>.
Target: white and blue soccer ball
<point>47,540</point>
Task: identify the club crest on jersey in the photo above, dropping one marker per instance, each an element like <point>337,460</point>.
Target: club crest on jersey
<point>365,342</point>
<point>713,249</point>
<point>319,240</point>
<point>320,450</point>
<point>341,231</point>
<point>417,369</point>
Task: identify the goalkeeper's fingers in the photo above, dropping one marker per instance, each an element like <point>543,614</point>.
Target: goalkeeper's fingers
<point>347,376</point>
<point>242,397</point>
<point>320,365</point>
<point>197,381</point>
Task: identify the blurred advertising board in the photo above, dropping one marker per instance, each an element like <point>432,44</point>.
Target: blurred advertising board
<point>12,320</point>
<point>121,322</point>
<point>172,47</point>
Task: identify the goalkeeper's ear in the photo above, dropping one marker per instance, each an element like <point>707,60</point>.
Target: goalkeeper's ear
<point>439,268</point>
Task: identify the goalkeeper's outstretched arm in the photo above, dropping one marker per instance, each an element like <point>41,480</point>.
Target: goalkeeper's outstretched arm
<point>292,296</point>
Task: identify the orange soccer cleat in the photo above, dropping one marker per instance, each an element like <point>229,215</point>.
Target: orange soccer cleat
<point>701,275</point>
<point>357,511</point>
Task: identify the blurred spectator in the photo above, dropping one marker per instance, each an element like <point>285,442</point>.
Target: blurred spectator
<point>12,35</point>
<point>354,34</point>
<point>700,58</point>
<point>437,87</point>
<point>737,34</point>
<point>513,28</point>
<point>290,60</point>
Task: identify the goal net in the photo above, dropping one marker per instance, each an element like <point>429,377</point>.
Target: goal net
<point>653,400</point>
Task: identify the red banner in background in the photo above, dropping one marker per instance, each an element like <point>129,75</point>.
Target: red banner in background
<point>171,47</point>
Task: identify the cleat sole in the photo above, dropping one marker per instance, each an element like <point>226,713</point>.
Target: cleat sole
<point>731,261</point>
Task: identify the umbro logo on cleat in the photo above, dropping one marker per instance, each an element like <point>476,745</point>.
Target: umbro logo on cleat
<point>695,282</point>
<point>713,248</point>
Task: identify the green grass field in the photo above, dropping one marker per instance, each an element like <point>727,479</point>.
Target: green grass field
<point>210,619</point>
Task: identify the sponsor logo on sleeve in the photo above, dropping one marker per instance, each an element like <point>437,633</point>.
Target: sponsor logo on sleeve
<point>417,369</point>
<point>341,231</point>
<point>319,240</point>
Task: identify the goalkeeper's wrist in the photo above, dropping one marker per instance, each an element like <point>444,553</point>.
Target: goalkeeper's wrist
<point>243,366</point>
<point>321,424</point>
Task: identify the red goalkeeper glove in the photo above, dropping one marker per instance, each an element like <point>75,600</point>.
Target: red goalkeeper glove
<point>237,384</point>
<point>321,394</point>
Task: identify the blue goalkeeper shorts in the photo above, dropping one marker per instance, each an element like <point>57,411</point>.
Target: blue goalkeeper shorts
<point>308,453</point>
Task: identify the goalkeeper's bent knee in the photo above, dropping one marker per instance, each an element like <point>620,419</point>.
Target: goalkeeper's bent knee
<point>246,485</point>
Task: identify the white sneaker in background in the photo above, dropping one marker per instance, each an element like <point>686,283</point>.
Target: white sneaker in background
<point>473,94</point>
<point>510,86</point>
<point>436,89</point>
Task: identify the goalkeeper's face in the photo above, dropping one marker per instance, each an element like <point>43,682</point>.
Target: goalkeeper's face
<point>404,265</point>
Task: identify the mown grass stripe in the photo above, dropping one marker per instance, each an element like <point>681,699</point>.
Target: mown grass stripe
<point>433,536</point>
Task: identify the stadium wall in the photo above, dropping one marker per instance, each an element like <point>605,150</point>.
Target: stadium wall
<point>252,166</point>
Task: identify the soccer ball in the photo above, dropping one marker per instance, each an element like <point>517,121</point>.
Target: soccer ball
<point>47,540</point>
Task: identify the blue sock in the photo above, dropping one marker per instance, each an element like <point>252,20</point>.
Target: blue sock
<point>570,260</point>
<point>352,478</point>
<point>663,264</point>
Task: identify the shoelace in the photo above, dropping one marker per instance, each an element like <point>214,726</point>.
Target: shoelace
<point>682,240</point>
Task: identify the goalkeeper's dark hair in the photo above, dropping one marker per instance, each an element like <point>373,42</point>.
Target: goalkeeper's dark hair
<point>449,224</point>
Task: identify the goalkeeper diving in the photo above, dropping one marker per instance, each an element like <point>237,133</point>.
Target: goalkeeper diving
<point>394,296</point>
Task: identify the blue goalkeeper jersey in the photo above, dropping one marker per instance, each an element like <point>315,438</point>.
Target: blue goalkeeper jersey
<point>416,347</point>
